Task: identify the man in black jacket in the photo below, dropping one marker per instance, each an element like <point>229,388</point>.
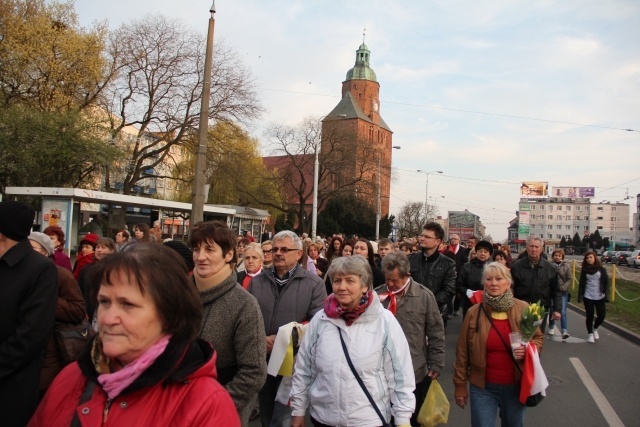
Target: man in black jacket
<point>535,279</point>
<point>432,269</point>
<point>28,295</point>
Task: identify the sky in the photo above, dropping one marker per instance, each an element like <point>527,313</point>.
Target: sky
<point>491,93</point>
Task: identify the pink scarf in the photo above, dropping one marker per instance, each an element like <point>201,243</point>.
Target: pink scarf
<point>114,383</point>
<point>334,310</point>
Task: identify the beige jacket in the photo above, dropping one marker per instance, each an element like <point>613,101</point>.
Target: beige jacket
<point>471,353</point>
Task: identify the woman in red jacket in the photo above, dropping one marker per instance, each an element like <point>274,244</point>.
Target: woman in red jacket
<point>145,366</point>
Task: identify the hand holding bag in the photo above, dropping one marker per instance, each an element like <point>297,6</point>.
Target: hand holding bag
<point>435,409</point>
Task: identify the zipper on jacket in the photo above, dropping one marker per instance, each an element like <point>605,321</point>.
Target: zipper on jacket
<point>106,411</point>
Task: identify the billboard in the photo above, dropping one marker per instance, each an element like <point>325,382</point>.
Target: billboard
<point>531,189</point>
<point>462,223</point>
<point>573,192</point>
<point>524,221</point>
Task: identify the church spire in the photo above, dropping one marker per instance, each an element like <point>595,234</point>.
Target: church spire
<point>362,70</point>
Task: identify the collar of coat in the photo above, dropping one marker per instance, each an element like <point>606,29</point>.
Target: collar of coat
<point>177,363</point>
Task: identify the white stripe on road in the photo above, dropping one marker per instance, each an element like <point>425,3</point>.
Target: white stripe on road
<point>603,404</point>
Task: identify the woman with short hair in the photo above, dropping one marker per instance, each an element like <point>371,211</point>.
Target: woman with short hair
<point>253,260</point>
<point>122,239</point>
<point>232,321</point>
<point>376,346</point>
<point>56,235</point>
<point>146,365</point>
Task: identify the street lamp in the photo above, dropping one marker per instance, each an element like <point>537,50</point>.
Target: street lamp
<point>197,202</point>
<point>426,197</point>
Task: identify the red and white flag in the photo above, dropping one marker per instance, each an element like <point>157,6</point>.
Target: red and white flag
<point>534,380</point>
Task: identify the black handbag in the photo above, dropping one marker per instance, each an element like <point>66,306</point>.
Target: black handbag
<point>364,388</point>
<point>532,400</point>
<point>72,339</point>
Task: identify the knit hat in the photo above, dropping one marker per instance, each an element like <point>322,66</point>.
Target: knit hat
<point>182,250</point>
<point>483,244</point>
<point>44,240</point>
<point>90,239</point>
<point>16,220</point>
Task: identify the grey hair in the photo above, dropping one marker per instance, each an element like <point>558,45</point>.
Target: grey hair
<point>256,248</point>
<point>396,259</point>
<point>499,268</point>
<point>297,242</point>
<point>532,237</point>
<point>352,265</point>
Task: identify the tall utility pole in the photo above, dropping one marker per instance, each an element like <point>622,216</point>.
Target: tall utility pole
<point>197,209</point>
<point>426,194</point>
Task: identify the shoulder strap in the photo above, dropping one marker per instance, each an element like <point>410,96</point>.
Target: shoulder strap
<point>509,350</point>
<point>86,396</point>
<point>355,374</point>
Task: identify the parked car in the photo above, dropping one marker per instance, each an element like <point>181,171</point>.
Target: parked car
<point>606,256</point>
<point>620,258</point>
<point>633,260</point>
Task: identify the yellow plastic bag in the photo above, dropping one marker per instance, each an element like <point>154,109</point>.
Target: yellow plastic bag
<point>435,409</point>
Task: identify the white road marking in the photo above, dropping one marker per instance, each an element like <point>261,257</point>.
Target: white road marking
<point>603,404</point>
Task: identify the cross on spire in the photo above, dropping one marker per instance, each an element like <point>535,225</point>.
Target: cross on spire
<point>363,34</point>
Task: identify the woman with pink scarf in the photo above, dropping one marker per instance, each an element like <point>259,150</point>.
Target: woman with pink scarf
<point>146,365</point>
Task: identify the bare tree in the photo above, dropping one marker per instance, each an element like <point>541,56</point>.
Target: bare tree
<point>345,165</point>
<point>158,86</point>
<point>411,218</point>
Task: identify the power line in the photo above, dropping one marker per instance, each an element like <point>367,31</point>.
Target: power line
<point>461,110</point>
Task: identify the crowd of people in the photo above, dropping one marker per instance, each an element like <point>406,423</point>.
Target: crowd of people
<point>185,331</point>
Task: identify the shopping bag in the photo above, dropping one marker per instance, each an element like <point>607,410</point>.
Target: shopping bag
<point>435,409</point>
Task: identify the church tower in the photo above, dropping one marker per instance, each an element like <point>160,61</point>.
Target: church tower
<point>358,126</point>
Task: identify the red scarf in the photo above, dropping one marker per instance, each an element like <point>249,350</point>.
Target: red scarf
<point>334,310</point>
<point>394,295</point>
<point>248,277</point>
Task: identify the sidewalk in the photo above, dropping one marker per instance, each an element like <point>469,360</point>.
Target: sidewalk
<point>617,329</point>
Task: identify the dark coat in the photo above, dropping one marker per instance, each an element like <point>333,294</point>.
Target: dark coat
<point>536,283</point>
<point>179,388</point>
<point>297,301</point>
<point>470,278</point>
<point>437,273</point>
<point>604,284</point>
<point>69,309</point>
<point>28,294</point>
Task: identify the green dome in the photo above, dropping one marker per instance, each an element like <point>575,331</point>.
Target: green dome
<point>362,71</point>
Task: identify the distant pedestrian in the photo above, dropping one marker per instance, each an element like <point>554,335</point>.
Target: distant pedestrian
<point>85,255</point>
<point>593,290</point>
<point>56,235</point>
<point>565,279</point>
<point>122,239</point>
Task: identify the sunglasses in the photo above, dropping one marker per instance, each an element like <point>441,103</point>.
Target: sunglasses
<point>283,249</point>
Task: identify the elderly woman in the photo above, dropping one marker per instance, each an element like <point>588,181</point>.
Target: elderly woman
<point>146,365</point>
<point>483,354</point>
<point>122,239</point>
<point>253,260</point>
<point>56,235</point>
<point>232,321</point>
<point>321,264</point>
<point>353,326</point>
<point>85,255</point>
<point>70,308</point>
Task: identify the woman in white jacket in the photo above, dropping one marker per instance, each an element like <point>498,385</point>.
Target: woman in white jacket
<point>376,345</point>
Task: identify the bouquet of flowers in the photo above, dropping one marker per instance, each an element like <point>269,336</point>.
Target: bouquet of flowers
<point>531,318</point>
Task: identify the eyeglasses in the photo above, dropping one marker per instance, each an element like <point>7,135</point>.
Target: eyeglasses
<point>283,249</point>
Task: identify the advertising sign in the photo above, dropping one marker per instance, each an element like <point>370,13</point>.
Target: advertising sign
<point>524,221</point>
<point>573,192</point>
<point>533,189</point>
<point>55,212</point>
<point>462,223</point>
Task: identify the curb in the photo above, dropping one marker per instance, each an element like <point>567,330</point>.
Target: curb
<point>619,330</point>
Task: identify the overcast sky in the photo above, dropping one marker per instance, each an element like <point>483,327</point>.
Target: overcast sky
<point>492,93</point>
